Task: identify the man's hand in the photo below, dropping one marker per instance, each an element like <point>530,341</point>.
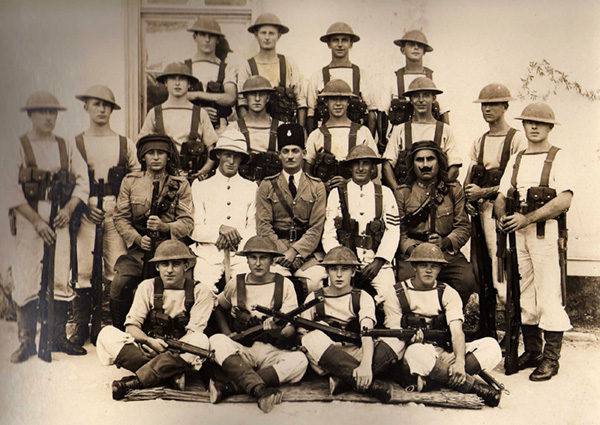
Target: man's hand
<point>271,327</point>
<point>45,232</point>
<point>363,375</point>
<point>156,345</point>
<point>231,235</point>
<point>96,215</point>
<point>471,209</point>
<point>418,337</point>
<point>514,222</point>
<point>63,217</point>
<point>156,224</point>
<point>212,113</point>
<point>288,258</point>
<point>435,239</point>
<point>473,192</point>
<point>334,182</point>
<point>456,374</point>
<point>146,243</point>
<point>371,270</point>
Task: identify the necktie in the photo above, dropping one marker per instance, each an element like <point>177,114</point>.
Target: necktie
<point>292,186</point>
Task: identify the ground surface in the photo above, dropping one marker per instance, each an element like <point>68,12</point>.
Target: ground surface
<point>76,390</point>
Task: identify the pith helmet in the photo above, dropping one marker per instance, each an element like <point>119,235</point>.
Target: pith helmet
<point>99,92</point>
<point>256,83</point>
<point>362,152</point>
<point>538,112</point>
<point>340,28</point>
<point>427,253</point>
<point>177,68</point>
<point>42,100</point>
<point>422,84</point>
<point>337,88</point>
<point>157,142</point>
<point>340,256</point>
<point>494,93</point>
<point>206,24</point>
<point>259,245</point>
<point>172,249</point>
<point>233,141</point>
<point>414,35</point>
<point>268,19</point>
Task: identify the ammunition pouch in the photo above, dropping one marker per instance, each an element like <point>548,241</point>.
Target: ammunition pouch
<point>261,165</point>
<point>401,110</point>
<point>222,111</point>
<point>538,196</point>
<point>321,111</point>
<point>283,104</point>
<point>116,175</point>
<point>401,168</point>
<point>66,181</point>
<point>357,110</point>
<point>417,321</point>
<point>160,324</point>
<point>346,237</point>
<point>486,178</point>
<point>165,202</point>
<point>416,217</point>
<point>193,156</point>
<point>375,231</point>
<point>326,167</point>
<point>292,235</point>
<point>35,183</point>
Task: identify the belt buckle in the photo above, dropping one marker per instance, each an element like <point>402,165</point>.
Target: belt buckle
<point>293,235</point>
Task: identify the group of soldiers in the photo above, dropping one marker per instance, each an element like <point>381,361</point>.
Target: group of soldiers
<point>227,237</point>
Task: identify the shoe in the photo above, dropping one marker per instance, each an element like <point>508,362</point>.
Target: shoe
<point>63,345</point>
<point>80,335</point>
<point>337,385</point>
<point>25,350</point>
<point>546,370</point>
<point>122,386</point>
<point>490,395</point>
<point>267,397</point>
<point>219,390</point>
<point>178,382</point>
<point>381,390</point>
<point>530,359</point>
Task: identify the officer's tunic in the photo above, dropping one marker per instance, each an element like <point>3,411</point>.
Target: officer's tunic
<point>219,201</point>
<point>451,222</point>
<point>308,207</point>
<point>541,299</point>
<point>28,245</point>
<point>102,154</point>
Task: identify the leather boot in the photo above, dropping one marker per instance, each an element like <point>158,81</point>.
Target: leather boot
<point>60,342</point>
<point>546,370</point>
<point>380,390</point>
<point>122,386</point>
<point>26,323</point>
<point>383,357</point>
<point>162,367</point>
<point>269,376</point>
<point>339,363</point>
<point>131,357</point>
<point>267,397</point>
<point>532,340</point>
<point>82,310</point>
<point>118,312</point>
<point>241,372</point>
<point>338,386</point>
<point>219,390</point>
<point>530,359</point>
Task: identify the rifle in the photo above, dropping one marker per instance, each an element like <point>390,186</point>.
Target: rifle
<point>97,275</point>
<point>335,333</point>
<point>349,228</point>
<point>513,295</point>
<point>46,303</point>
<point>257,330</point>
<point>153,234</point>
<point>184,347</point>
<point>563,236</point>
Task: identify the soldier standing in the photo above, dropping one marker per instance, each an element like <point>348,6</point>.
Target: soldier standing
<point>539,199</point>
<point>289,100</point>
<point>216,87</point>
<point>225,207</point>
<point>290,211</point>
<point>141,230</point>
<point>169,305</point>
<point>433,210</point>
<point>340,38</point>
<point>42,158</point>
<point>109,158</point>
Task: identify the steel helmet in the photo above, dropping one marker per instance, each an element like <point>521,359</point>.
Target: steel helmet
<point>339,28</point>
<point>427,253</point>
<point>260,245</point>
<point>337,88</point>
<point>99,92</point>
<point>414,35</point>
<point>172,249</point>
<point>538,112</point>
<point>362,152</point>
<point>177,68</point>
<point>268,19</point>
<point>42,100</point>
<point>340,256</point>
<point>256,83</point>
<point>206,24</point>
<point>422,84</point>
<point>494,93</point>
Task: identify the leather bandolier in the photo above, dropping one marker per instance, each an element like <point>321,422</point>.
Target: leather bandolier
<point>401,110</point>
<point>165,200</point>
<point>402,163</point>
<point>492,177</point>
<point>298,228</point>
<point>283,104</point>
<point>357,108</point>
<point>326,166</point>
<point>261,164</point>
<point>158,323</point>
<point>353,325</point>
<point>427,210</point>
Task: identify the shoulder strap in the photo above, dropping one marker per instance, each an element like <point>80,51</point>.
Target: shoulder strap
<point>513,180</point>
<point>428,72</point>
<point>355,80</point>
<point>282,200</point>
<point>241,291</point>
<point>159,290</point>
<point>407,135</point>
<point>326,138</point>
<point>506,148</point>
<point>441,287</point>
<point>439,131</point>
<point>355,294</point>
<point>402,299</point>
<point>188,63</point>
<point>28,151</point>
<point>400,81</point>
<point>545,179</point>
<point>221,73</point>
<point>189,287</point>
<point>64,156</point>
<point>320,307</point>
<point>122,151</point>
<point>282,70</point>
<point>158,120</point>
<point>378,201</point>
<point>253,66</point>
<point>195,122</point>
<point>81,146</point>
<point>273,135</point>
<point>278,292</point>
<point>481,147</point>
<point>326,75</point>
<point>244,129</point>
<point>354,127</point>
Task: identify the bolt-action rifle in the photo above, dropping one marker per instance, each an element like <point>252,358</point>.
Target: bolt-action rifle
<point>97,270</point>
<point>153,234</point>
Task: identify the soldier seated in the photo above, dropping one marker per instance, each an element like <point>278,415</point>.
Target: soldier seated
<point>168,305</point>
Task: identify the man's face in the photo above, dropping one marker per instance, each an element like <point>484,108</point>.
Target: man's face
<point>257,100</point>
<point>492,112</point>
<point>229,162</point>
<point>267,37</point>
<point>340,45</point>
<point>337,106</point>
<point>259,263</point>
<point>43,120</point>
<point>427,273</point>
<point>340,276</point>
<point>172,273</point>
<point>206,43</point>
<point>413,51</point>
<point>156,160</point>
<point>292,158</point>
<point>422,101</point>
<point>362,170</point>
<point>177,85</point>
<point>536,132</point>
<point>426,165</point>
<point>98,110</point>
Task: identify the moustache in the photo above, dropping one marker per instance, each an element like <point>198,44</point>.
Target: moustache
<point>425,169</point>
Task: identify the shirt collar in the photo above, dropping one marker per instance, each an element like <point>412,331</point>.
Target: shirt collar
<point>296,176</point>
